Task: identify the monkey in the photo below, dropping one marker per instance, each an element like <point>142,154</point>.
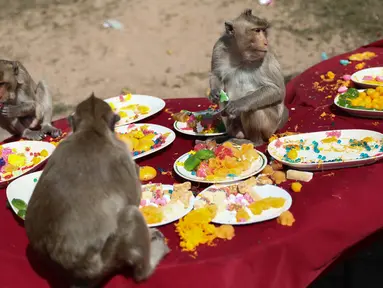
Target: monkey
<point>83,213</point>
<point>247,70</point>
<point>24,105</point>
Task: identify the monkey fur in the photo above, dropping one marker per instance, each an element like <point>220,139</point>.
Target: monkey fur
<point>83,213</point>
<point>246,69</point>
<point>25,105</point>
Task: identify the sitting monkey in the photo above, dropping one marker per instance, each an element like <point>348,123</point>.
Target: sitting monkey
<point>24,105</point>
<point>83,213</point>
<point>244,67</point>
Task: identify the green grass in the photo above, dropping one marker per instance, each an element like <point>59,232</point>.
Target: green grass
<point>362,20</point>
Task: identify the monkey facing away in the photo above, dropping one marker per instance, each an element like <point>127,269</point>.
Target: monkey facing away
<point>244,67</point>
<point>83,213</point>
<point>25,105</point>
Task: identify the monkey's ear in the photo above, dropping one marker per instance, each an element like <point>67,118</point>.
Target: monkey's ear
<point>115,119</point>
<point>16,71</point>
<point>229,27</point>
<point>71,122</point>
<point>247,12</point>
<point>15,67</point>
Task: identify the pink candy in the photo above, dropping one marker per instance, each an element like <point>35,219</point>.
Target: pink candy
<point>368,78</point>
<point>346,77</point>
<point>342,89</point>
<point>248,198</point>
<point>143,202</point>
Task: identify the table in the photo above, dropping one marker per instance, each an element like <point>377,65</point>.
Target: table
<point>333,212</point>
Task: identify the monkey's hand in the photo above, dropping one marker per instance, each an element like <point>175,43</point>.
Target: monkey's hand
<point>214,95</point>
<point>233,109</point>
<point>15,111</point>
<point>9,111</point>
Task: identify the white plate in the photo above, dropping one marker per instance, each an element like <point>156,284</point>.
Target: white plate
<point>154,103</point>
<point>309,158</point>
<point>179,126</point>
<point>256,167</point>
<point>156,128</point>
<point>358,76</point>
<point>175,217</point>
<point>35,146</point>
<point>375,114</point>
<point>22,188</point>
<point>228,217</point>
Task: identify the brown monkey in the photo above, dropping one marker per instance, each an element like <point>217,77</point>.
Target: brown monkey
<point>25,105</point>
<point>244,67</point>
<point>83,213</point>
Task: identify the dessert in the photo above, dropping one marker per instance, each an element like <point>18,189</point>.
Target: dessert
<point>160,203</point>
<point>238,202</point>
<point>142,139</point>
<point>15,162</point>
<point>203,122</point>
<point>217,162</point>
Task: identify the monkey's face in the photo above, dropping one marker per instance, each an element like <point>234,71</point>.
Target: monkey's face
<point>254,44</point>
<point>8,82</point>
<point>250,35</point>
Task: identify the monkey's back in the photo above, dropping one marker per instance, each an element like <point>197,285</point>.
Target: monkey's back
<point>74,207</point>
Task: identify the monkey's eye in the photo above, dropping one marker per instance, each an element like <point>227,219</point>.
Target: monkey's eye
<point>257,30</point>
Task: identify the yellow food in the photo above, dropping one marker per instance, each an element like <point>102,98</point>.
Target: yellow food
<point>296,187</point>
<point>147,173</point>
<point>225,232</point>
<point>259,206</point>
<point>286,219</point>
<point>278,177</point>
<point>194,229</point>
<point>44,153</point>
<point>369,99</point>
<point>152,214</point>
<point>18,160</point>
<point>242,215</point>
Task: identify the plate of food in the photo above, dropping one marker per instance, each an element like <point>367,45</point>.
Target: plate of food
<point>370,77</point>
<point>328,149</point>
<point>133,107</point>
<point>162,204</point>
<point>244,202</point>
<point>364,103</point>
<point>201,123</point>
<point>225,163</point>
<point>145,139</point>
<point>20,157</point>
<point>19,192</point>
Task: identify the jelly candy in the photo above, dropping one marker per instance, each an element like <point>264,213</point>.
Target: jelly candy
<point>191,163</point>
<point>204,154</point>
<point>19,204</point>
<point>147,173</point>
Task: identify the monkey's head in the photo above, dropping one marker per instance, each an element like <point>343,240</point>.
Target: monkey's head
<point>93,112</point>
<point>9,72</point>
<point>249,36</point>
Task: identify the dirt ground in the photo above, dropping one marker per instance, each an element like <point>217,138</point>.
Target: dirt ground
<point>164,48</point>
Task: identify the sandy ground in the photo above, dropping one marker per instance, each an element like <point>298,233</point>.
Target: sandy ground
<point>163,50</point>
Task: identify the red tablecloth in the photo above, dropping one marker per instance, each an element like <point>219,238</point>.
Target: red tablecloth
<point>333,212</point>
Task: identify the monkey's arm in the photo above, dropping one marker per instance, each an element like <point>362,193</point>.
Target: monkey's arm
<point>258,99</point>
<point>19,110</point>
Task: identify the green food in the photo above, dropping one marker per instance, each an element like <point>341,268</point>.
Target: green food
<point>204,154</point>
<point>351,93</point>
<point>21,214</point>
<point>191,163</point>
<point>19,204</point>
<point>223,96</point>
